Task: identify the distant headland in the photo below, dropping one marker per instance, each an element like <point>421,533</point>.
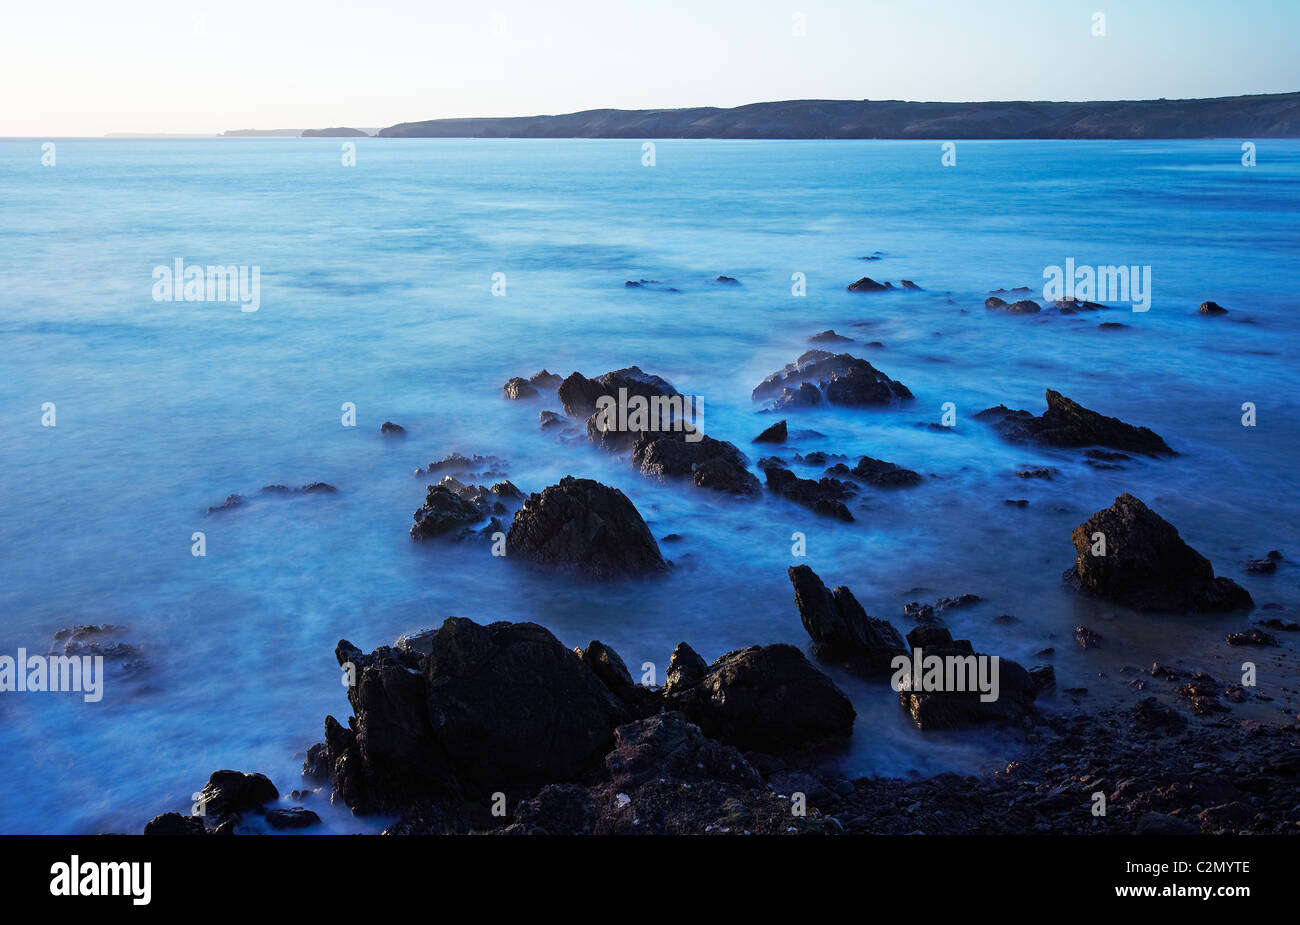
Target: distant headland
<point>1275,115</point>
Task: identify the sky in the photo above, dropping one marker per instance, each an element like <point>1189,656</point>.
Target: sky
<point>90,67</point>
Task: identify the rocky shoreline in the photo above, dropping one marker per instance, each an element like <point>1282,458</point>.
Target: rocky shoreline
<point>499,728</point>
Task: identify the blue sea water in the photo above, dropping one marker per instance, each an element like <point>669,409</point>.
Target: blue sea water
<point>376,289</point>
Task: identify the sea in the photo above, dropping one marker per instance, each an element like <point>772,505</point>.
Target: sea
<point>407,280</point>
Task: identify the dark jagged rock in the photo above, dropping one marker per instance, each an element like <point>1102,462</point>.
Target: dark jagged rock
<point>767,698</point>
<point>606,664</point>
<point>829,337</point>
<point>1086,638</point>
<point>685,669</point>
<point>507,702</point>
<point>175,824</point>
<point>948,709</point>
<point>1147,565</point>
<point>994,302</point>
<point>867,284</point>
<point>709,463</point>
<point>389,429</point>
<point>549,420</point>
<point>840,629</point>
<point>825,497</point>
<point>1023,307</point>
<point>580,394</point>
<point>777,433</point>
<point>316,766</point>
<point>1066,423</point>
<point>1212,308</point>
<point>908,284</point>
<point>846,380</point>
<point>878,473</point>
<point>295,817</point>
<point>444,511</point>
<point>230,792</point>
<point>519,387</point>
<point>1252,637</point>
<point>545,380</point>
<point>583,527</point>
<point>231,502</point>
<point>503,707</point>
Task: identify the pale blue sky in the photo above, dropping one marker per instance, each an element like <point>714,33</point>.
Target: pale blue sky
<point>86,67</point>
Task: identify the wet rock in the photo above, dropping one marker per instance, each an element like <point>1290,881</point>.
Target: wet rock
<point>175,824</point>
<point>1266,565</point>
<point>550,420</point>
<point>669,746</point>
<point>229,792</point>
<point>685,669</point>
<point>444,511</point>
<point>231,502</point>
<point>954,603</point>
<point>389,429</point>
<point>1252,637</point>
<point>503,707</point>
<point>954,706</point>
<point>709,463</point>
<point>908,284</point>
<point>1112,326</point>
<point>585,528</point>
<point>316,766</point>
<point>1150,715</point>
<point>1068,424</point>
<point>845,379</point>
<point>840,628</point>
<point>295,817</point>
<point>766,698</point>
<point>1212,308</point>
<point>829,337</point>
<point>1074,306</point>
<point>777,433</point>
<point>867,284</point>
<point>103,640</point>
<point>825,497</point>
<point>1042,472</point>
<point>458,462</point>
<point>545,380</point>
<point>878,473</point>
<point>606,665</point>
<point>994,302</point>
<point>517,388</point>
<point>727,281</point>
<point>1023,307</point>
<point>1086,638</point>
<point>1147,565</point>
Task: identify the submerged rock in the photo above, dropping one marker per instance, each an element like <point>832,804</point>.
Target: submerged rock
<point>582,527</point>
<point>867,284</point>
<point>845,380</point>
<point>389,429</point>
<point>1212,308</point>
<point>295,817</point>
<point>840,629</point>
<point>766,698</point>
<point>825,497</point>
<point>829,337</point>
<point>709,463</point>
<point>1068,424</point>
<point>878,473</point>
<point>1146,564</point>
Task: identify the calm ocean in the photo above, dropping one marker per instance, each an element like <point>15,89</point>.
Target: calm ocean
<point>376,289</point>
